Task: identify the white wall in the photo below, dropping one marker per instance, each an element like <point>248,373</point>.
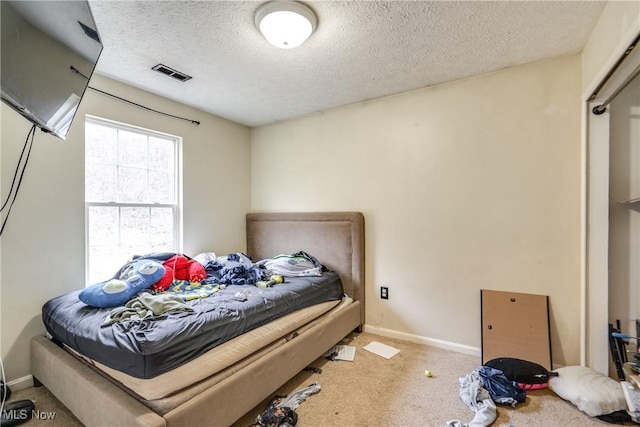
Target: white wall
<point>43,243</point>
<point>464,186</point>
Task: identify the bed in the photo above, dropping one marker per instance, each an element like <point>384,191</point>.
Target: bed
<point>98,395</point>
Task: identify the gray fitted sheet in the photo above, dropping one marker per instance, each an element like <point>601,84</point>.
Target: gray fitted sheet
<point>145,348</point>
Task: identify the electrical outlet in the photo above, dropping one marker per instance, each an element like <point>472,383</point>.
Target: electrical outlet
<point>384,292</point>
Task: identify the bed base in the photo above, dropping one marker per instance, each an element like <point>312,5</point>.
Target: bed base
<point>104,403</point>
<point>96,401</point>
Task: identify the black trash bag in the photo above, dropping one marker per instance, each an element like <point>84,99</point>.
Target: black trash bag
<point>5,392</point>
<point>16,413</point>
<point>521,371</point>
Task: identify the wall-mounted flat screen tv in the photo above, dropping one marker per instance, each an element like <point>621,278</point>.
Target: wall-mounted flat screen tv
<point>49,52</point>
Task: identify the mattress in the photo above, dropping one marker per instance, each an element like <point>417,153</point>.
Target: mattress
<point>146,348</point>
<point>219,358</point>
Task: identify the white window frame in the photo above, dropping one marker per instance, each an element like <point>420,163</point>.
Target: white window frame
<point>177,207</point>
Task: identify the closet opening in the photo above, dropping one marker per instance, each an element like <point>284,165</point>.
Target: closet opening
<point>612,209</point>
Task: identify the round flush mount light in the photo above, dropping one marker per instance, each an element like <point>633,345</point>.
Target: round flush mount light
<point>285,24</point>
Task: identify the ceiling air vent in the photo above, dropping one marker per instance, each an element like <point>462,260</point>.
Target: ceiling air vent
<point>171,72</point>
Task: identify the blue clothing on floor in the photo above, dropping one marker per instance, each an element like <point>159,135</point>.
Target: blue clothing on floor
<point>501,389</point>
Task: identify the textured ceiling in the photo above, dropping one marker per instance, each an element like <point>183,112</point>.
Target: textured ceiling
<point>361,49</point>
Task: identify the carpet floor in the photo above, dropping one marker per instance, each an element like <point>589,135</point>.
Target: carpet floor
<point>375,391</point>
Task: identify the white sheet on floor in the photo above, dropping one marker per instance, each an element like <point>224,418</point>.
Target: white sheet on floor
<point>380,349</point>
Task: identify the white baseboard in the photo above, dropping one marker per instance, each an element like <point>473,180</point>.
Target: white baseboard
<point>446,345</point>
<point>20,383</point>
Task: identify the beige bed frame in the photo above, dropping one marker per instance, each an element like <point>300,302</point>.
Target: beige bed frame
<point>335,238</point>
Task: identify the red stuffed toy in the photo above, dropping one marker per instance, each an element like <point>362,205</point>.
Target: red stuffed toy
<point>179,267</point>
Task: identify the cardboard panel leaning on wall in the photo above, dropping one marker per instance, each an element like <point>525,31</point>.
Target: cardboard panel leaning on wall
<point>515,325</point>
<point>43,244</point>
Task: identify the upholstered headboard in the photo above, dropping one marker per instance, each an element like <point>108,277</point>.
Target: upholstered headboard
<point>336,239</point>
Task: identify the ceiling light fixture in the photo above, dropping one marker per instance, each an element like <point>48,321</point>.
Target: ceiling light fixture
<point>285,24</point>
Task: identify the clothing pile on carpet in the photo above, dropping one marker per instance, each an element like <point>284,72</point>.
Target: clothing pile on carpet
<point>501,381</point>
<point>506,380</point>
<point>282,410</point>
<point>481,389</point>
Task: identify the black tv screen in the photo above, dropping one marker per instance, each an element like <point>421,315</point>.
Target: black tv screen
<point>49,52</point>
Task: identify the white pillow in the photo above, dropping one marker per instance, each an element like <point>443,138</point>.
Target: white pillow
<point>204,257</point>
<point>592,392</point>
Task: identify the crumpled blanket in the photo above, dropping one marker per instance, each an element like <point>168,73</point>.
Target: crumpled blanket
<point>237,269</point>
<point>477,398</point>
<point>146,305</point>
<point>188,291</point>
<point>300,264</point>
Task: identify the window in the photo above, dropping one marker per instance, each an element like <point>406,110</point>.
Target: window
<point>132,195</point>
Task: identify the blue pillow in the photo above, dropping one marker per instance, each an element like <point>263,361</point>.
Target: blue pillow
<point>115,292</point>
